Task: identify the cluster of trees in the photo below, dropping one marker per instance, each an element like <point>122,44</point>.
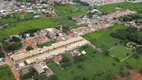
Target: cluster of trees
<point>32,72</point>
<point>79,58</point>
<point>139,50</point>
<point>131,17</point>
<point>98,76</point>
<point>16,44</point>
<point>1,53</point>
<point>29,48</point>
<point>15,39</point>
<point>65,62</point>
<point>130,34</point>
<point>30,31</point>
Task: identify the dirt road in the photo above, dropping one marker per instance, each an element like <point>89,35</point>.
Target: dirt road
<point>13,69</point>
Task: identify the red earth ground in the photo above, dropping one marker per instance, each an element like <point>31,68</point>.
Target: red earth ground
<point>135,75</point>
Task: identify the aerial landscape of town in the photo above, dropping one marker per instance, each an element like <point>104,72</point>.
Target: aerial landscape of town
<point>70,39</point>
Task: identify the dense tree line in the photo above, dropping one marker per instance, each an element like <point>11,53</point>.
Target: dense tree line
<point>131,17</point>
<point>130,34</point>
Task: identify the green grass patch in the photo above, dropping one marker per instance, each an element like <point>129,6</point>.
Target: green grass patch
<point>96,66</point>
<point>24,26</point>
<point>102,38</point>
<point>46,44</point>
<point>124,5</point>
<point>6,74</point>
<point>121,52</point>
<point>94,63</point>
<point>70,10</point>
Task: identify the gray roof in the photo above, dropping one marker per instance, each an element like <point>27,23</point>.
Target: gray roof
<point>38,68</point>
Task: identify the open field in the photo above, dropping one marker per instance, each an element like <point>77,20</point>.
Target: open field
<point>124,5</point>
<point>69,10</point>
<point>121,52</point>
<point>23,26</point>
<point>102,38</point>
<point>95,63</point>
<point>6,74</point>
<point>96,66</point>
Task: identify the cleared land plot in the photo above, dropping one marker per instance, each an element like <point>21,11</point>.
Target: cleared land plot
<point>121,52</point>
<point>6,74</point>
<point>102,38</point>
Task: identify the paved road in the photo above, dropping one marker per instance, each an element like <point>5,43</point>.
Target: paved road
<point>13,69</point>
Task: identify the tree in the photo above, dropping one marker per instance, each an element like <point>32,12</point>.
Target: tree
<point>41,77</point>
<point>106,52</point>
<point>29,48</point>
<point>54,77</point>
<point>15,39</point>
<point>139,50</point>
<point>65,62</point>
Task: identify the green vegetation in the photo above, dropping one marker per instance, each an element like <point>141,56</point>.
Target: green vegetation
<point>1,53</point>
<point>6,74</point>
<point>129,34</point>
<point>103,38</point>
<point>96,66</point>
<point>13,44</point>
<point>131,17</point>
<point>121,52</point>
<point>89,68</point>
<point>69,10</point>
<point>24,26</point>
<point>31,74</point>
<point>124,5</point>
<point>29,48</point>
<point>46,44</point>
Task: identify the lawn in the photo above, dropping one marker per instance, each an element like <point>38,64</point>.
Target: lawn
<point>125,5</point>
<point>6,74</point>
<point>121,52</point>
<point>102,38</point>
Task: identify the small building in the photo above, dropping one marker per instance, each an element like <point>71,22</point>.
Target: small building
<point>38,68</point>
<point>57,59</point>
<point>25,71</point>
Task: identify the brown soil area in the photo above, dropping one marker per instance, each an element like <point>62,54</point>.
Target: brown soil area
<point>135,75</point>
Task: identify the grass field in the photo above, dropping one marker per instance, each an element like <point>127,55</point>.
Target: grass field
<point>23,26</point>
<point>69,10</point>
<point>6,74</point>
<point>125,5</point>
<point>95,63</point>
<point>96,66</point>
<point>102,38</point>
<point>121,52</point>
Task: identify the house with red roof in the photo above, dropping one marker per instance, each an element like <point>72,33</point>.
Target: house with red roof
<point>57,59</point>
